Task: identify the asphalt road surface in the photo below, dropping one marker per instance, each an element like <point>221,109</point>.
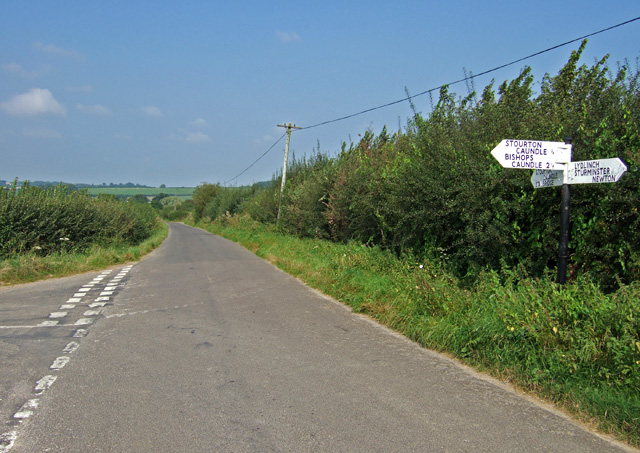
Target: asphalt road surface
<point>204,347</point>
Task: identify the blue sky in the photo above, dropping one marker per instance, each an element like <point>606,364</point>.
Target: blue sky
<point>177,93</point>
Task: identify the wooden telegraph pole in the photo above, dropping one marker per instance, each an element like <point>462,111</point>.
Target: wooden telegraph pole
<point>286,160</point>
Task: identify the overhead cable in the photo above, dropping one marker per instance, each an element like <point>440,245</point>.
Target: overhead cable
<point>408,98</point>
<point>255,161</point>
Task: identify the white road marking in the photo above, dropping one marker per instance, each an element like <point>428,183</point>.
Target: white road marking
<point>84,290</point>
<point>67,307</point>
<point>59,363</point>
<point>75,299</point>
<point>110,288</point>
<point>7,440</point>
<point>58,314</point>
<point>97,304</point>
<point>47,324</point>
<point>44,383</point>
<point>83,321</point>
<point>106,293</point>
<point>102,299</point>
<point>27,409</point>
<point>79,295</point>
<point>92,312</point>
<point>80,333</point>
<point>71,347</point>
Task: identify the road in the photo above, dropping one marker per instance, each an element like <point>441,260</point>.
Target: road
<point>202,346</point>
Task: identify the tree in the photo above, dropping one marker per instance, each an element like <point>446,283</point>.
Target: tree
<point>202,196</point>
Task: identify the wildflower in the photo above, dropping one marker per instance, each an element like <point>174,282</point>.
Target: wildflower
<point>421,266</point>
<point>64,239</point>
<point>555,329</point>
<point>511,328</point>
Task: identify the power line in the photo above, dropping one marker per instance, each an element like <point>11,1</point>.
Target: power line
<point>408,98</point>
<point>255,161</point>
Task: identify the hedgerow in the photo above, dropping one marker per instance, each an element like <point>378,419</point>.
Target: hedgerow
<point>39,221</point>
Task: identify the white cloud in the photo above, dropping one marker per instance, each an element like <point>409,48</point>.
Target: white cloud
<point>48,134</point>
<point>151,110</point>
<point>287,37</point>
<point>37,101</point>
<point>200,122</point>
<point>196,138</point>
<point>55,50</point>
<point>94,109</point>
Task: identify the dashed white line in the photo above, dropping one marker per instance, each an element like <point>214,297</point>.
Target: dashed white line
<point>92,312</point>
<point>97,304</point>
<point>44,383</point>
<point>59,363</point>
<point>47,324</point>
<point>27,409</point>
<point>7,440</point>
<point>58,314</point>
<point>71,347</point>
<point>80,333</point>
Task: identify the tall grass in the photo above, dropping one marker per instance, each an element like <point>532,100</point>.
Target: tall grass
<point>573,345</point>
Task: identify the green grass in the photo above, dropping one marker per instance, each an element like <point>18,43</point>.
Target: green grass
<point>30,267</point>
<point>573,346</point>
<point>183,193</point>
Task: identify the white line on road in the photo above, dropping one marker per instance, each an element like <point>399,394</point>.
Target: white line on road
<point>27,409</point>
<point>71,347</point>
<point>58,314</point>
<point>59,363</point>
<point>44,383</point>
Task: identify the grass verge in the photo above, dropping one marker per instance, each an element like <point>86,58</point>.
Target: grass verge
<point>573,346</point>
<point>30,267</point>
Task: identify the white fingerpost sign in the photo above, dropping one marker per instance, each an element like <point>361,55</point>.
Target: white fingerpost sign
<point>551,162</point>
<point>595,171</point>
<point>547,178</point>
<point>531,154</point>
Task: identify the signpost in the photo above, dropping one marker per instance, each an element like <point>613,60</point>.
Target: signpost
<point>547,178</point>
<point>531,154</point>
<point>581,172</point>
<point>595,171</point>
<point>551,162</point>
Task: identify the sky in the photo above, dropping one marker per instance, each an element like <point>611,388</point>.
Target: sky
<point>185,92</point>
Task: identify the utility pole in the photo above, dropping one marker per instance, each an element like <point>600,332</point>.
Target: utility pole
<point>289,126</point>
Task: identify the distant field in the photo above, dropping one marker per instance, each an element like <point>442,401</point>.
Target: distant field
<point>184,193</point>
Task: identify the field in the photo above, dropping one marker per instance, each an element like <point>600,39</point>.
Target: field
<point>183,193</point>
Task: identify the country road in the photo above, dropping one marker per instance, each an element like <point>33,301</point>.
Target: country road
<point>203,347</point>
